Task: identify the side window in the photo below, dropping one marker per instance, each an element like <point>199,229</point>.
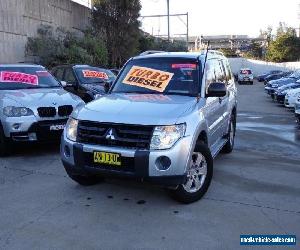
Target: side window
<point>220,73</point>
<point>58,73</point>
<point>69,76</point>
<point>209,73</point>
<point>228,72</point>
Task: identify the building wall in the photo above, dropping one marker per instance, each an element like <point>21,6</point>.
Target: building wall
<point>19,19</point>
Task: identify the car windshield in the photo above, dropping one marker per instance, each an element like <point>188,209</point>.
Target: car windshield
<point>91,75</point>
<point>24,77</point>
<point>170,76</point>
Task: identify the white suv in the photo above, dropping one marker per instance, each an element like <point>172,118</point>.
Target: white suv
<point>245,76</point>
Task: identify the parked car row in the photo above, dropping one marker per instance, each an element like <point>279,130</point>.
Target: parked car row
<point>35,105</point>
<point>162,119</point>
<point>286,91</point>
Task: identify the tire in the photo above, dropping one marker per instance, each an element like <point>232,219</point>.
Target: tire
<point>239,82</point>
<point>187,195</point>
<point>5,144</point>
<point>228,147</point>
<point>87,180</point>
<point>251,83</point>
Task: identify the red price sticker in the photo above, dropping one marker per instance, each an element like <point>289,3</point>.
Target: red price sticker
<point>18,77</point>
<point>184,66</point>
<point>94,74</point>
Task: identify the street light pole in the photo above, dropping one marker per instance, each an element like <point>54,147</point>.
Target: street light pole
<point>168,7</point>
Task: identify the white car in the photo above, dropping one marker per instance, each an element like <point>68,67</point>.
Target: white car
<point>245,76</point>
<point>291,98</point>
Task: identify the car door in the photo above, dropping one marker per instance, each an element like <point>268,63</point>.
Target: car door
<point>228,80</point>
<point>58,72</point>
<point>213,108</point>
<point>70,79</point>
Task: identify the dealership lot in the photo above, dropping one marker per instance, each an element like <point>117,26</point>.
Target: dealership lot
<point>255,190</point>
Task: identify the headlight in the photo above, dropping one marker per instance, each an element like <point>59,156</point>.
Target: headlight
<point>71,129</point>
<point>275,86</point>
<point>12,111</point>
<point>97,96</point>
<point>164,137</point>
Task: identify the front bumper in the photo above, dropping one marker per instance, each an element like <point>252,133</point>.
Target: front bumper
<point>31,129</point>
<point>77,158</point>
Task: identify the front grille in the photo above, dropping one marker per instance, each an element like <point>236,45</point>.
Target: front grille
<point>46,111</point>
<point>115,135</point>
<point>65,110</point>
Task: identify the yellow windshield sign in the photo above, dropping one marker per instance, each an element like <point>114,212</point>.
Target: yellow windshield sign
<point>148,78</point>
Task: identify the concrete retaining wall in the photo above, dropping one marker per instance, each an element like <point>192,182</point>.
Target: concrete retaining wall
<point>19,19</point>
<point>259,67</point>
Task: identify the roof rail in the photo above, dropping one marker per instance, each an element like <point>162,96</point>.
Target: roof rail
<point>149,52</point>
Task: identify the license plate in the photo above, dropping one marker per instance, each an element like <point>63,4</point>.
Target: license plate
<point>107,158</point>
<point>57,127</point>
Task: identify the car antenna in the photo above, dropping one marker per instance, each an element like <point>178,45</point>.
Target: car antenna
<point>204,65</point>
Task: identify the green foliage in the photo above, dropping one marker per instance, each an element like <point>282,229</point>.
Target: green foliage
<point>255,51</point>
<point>152,43</point>
<point>228,52</point>
<point>63,47</point>
<point>285,47</point>
<point>117,22</point>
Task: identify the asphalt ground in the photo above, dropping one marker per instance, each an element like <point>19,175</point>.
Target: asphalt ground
<point>255,190</point>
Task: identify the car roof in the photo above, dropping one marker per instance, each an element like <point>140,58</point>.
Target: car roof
<point>187,55</point>
<point>21,65</point>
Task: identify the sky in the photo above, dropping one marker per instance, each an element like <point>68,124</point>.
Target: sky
<point>220,17</point>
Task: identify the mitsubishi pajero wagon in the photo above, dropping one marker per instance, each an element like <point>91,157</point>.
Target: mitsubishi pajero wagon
<point>164,119</point>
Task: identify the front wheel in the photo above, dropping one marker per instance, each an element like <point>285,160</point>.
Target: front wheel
<point>5,144</point>
<point>228,147</point>
<point>199,175</point>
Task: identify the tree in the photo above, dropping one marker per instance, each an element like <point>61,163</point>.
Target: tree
<point>117,22</point>
<point>285,47</point>
<point>53,47</point>
<point>255,50</point>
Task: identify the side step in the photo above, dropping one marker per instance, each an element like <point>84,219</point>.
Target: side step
<point>217,147</point>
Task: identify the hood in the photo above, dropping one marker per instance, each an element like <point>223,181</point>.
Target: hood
<point>34,98</point>
<point>144,109</point>
<point>97,88</point>
<point>288,86</point>
<point>294,91</point>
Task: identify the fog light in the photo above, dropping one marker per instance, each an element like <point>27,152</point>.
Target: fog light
<point>67,151</point>
<point>16,126</point>
<point>163,162</point>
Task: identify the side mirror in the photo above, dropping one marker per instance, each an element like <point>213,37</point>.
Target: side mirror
<point>63,84</point>
<point>107,86</point>
<point>216,89</point>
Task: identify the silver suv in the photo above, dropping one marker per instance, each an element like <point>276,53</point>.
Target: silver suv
<point>164,120</point>
<point>33,105</point>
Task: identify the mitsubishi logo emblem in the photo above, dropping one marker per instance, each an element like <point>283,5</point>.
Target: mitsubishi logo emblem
<point>110,135</point>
